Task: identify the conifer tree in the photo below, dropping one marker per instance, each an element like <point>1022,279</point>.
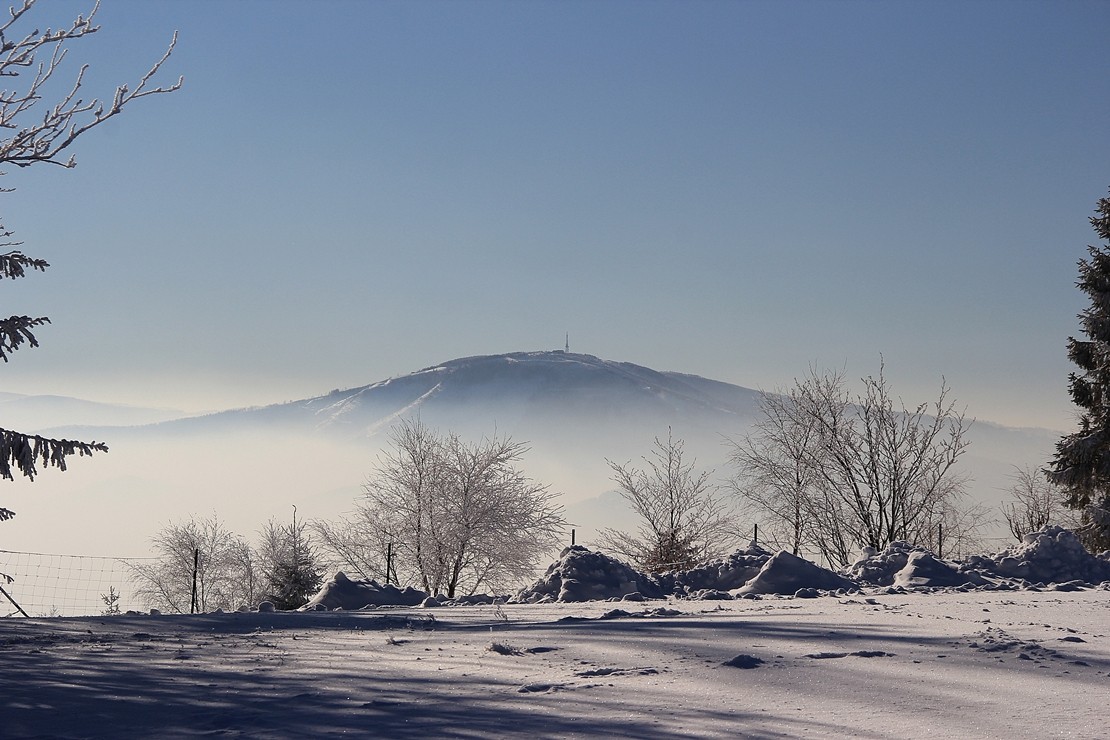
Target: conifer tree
<point>1082,463</point>
<point>37,138</point>
<point>292,572</point>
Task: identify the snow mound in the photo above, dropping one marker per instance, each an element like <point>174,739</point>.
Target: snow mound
<point>582,575</point>
<point>1052,555</point>
<point>784,573</point>
<point>340,592</point>
<point>723,574</point>
<point>908,566</point>
<point>925,570</point>
<point>879,568</point>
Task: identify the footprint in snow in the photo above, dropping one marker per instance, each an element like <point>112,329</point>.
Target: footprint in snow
<point>540,688</point>
<point>616,672</point>
<point>857,654</point>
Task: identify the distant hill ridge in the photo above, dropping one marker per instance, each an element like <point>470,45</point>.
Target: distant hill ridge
<point>35,413</point>
<point>551,384</point>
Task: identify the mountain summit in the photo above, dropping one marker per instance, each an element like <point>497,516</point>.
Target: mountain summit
<point>529,387</point>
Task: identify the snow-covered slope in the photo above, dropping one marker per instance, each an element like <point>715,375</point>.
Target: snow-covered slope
<point>575,410</point>
<point>553,385</point>
<point>941,665</point>
<point>529,394</point>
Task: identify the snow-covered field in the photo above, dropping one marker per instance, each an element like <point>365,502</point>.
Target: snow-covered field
<point>939,664</point>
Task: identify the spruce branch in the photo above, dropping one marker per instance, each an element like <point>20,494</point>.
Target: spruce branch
<point>25,451</point>
<point>15,264</point>
<point>16,331</point>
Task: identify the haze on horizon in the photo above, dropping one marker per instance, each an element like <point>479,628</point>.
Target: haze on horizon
<point>348,191</point>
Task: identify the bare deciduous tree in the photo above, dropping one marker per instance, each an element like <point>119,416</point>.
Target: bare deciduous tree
<point>1034,504</point>
<point>890,466</point>
<point>283,567</point>
<point>33,57</point>
<point>460,516</point>
<point>775,476</point>
<point>684,520</point>
<point>840,471</point>
<point>954,529</point>
<point>227,572</point>
<point>357,545</point>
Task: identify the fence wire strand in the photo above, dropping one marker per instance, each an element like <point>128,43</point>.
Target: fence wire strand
<point>48,585</point>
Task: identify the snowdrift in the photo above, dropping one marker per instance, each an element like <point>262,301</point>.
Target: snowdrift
<point>582,575</point>
<point>723,574</point>
<point>1053,555</point>
<point>925,570</point>
<point>908,566</point>
<point>789,574</point>
<point>340,592</point>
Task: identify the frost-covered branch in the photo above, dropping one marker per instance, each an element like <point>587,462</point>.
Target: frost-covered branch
<point>45,138</point>
<point>16,331</point>
<point>15,264</point>
<point>24,452</point>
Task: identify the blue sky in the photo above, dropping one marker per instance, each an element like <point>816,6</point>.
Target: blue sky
<point>346,191</point>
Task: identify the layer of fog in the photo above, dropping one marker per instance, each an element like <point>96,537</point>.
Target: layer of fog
<point>246,472</point>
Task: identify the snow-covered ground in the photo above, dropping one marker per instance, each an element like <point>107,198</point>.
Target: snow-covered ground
<point>900,645</point>
<point>875,664</point>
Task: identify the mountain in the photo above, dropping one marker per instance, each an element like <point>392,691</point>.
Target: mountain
<point>537,396</point>
<point>536,386</point>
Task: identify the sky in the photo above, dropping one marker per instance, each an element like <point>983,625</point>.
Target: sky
<point>347,191</point>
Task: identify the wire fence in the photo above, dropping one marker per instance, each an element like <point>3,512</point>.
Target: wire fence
<point>47,585</point>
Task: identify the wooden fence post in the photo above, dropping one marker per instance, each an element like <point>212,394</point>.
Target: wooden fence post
<point>196,567</point>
